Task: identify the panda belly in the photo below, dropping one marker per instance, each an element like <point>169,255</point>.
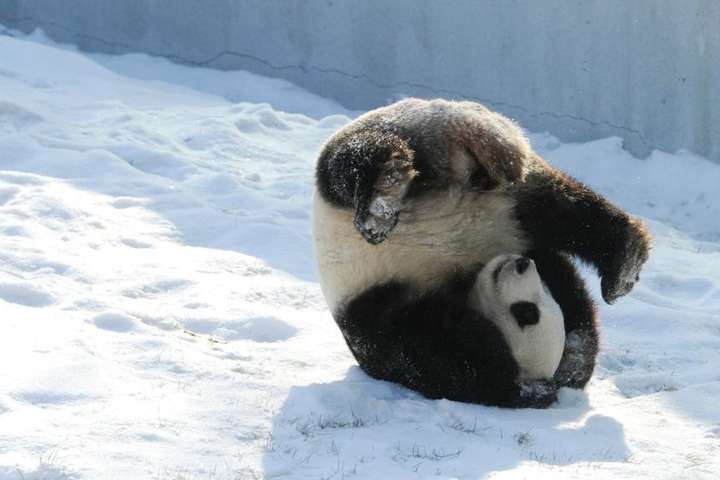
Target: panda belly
<point>437,237</point>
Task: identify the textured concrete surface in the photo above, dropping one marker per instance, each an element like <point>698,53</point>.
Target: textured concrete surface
<point>646,70</point>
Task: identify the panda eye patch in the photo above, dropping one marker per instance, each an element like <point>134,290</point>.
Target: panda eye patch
<point>525,313</point>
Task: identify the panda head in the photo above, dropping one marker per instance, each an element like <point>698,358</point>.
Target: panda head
<point>509,292</point>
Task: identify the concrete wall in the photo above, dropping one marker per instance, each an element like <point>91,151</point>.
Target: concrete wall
<point>646,70</point>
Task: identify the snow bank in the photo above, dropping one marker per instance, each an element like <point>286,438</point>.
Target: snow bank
<point>160,318</point>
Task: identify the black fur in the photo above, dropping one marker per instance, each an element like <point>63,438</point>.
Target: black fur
<point>525,313</point>
<point>368,163</point>
<point>435,344</point>
<point>561,214</point>
<point>349,165</point>
<point>346,174</point>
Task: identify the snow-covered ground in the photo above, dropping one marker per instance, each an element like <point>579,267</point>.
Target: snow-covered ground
<point>160,316</point>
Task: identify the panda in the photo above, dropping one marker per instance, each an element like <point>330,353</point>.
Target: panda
<point>413,201</point>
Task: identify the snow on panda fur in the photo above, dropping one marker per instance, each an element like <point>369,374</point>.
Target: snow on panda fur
<point>412,201</point>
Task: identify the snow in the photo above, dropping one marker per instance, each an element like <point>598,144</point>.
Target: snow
<point>160,315</point>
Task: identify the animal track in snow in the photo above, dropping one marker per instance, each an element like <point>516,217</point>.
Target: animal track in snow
<point>135,243</point>
<point>258,329</point>
<point>682,289</point>
<point>156,288</point>
<point>115,321</point>
<point>14,231</point>
<point>33,263</point>
<point>644,383</point>
<point>49,397</point>
<point>25,294</point>
<point>128,202</point>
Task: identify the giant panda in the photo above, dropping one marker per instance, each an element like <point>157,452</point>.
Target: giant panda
<point>412,201</point>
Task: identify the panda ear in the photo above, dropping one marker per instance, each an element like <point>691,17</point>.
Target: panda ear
<point>378,205</point>
<point>525,313</point>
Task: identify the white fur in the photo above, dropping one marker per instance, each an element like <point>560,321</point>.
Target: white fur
<point>435,237</point>
<point>536,348</point>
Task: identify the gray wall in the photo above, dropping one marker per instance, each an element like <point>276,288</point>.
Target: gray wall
<point>646,70</point>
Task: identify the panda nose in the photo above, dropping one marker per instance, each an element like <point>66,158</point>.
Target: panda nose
<point>521,265</point>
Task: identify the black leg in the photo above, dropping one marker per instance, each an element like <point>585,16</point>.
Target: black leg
<point>560,213</point>
<point>438,346</point>
<point>581,341</point>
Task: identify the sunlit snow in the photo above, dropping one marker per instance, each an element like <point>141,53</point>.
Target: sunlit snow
<point>160,315</point>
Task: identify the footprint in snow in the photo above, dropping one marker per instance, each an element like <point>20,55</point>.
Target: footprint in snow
<point>258,329</point>
<point>128,202</point>
<point>25,294</point>
<point>636,384</point>
<point>14,231</point>
<point>248,125</point>
<point>159,287</point>
<point>115,322</point>
<point>134,243</point>
<point>688,289</point>
<point>48,397</point>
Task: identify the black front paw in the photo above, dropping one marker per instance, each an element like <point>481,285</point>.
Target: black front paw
<point>378,208</point>
<point>578,360</point>
<point>536,393</point>
<point>625,262</point>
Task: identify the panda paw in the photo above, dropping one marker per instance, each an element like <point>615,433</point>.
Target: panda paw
<point>381,215</point>
<point>536,393</point>
<point>578,360</point>
<point>624,269</point>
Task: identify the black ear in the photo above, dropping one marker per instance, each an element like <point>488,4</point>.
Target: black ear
<point>525,313</point>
